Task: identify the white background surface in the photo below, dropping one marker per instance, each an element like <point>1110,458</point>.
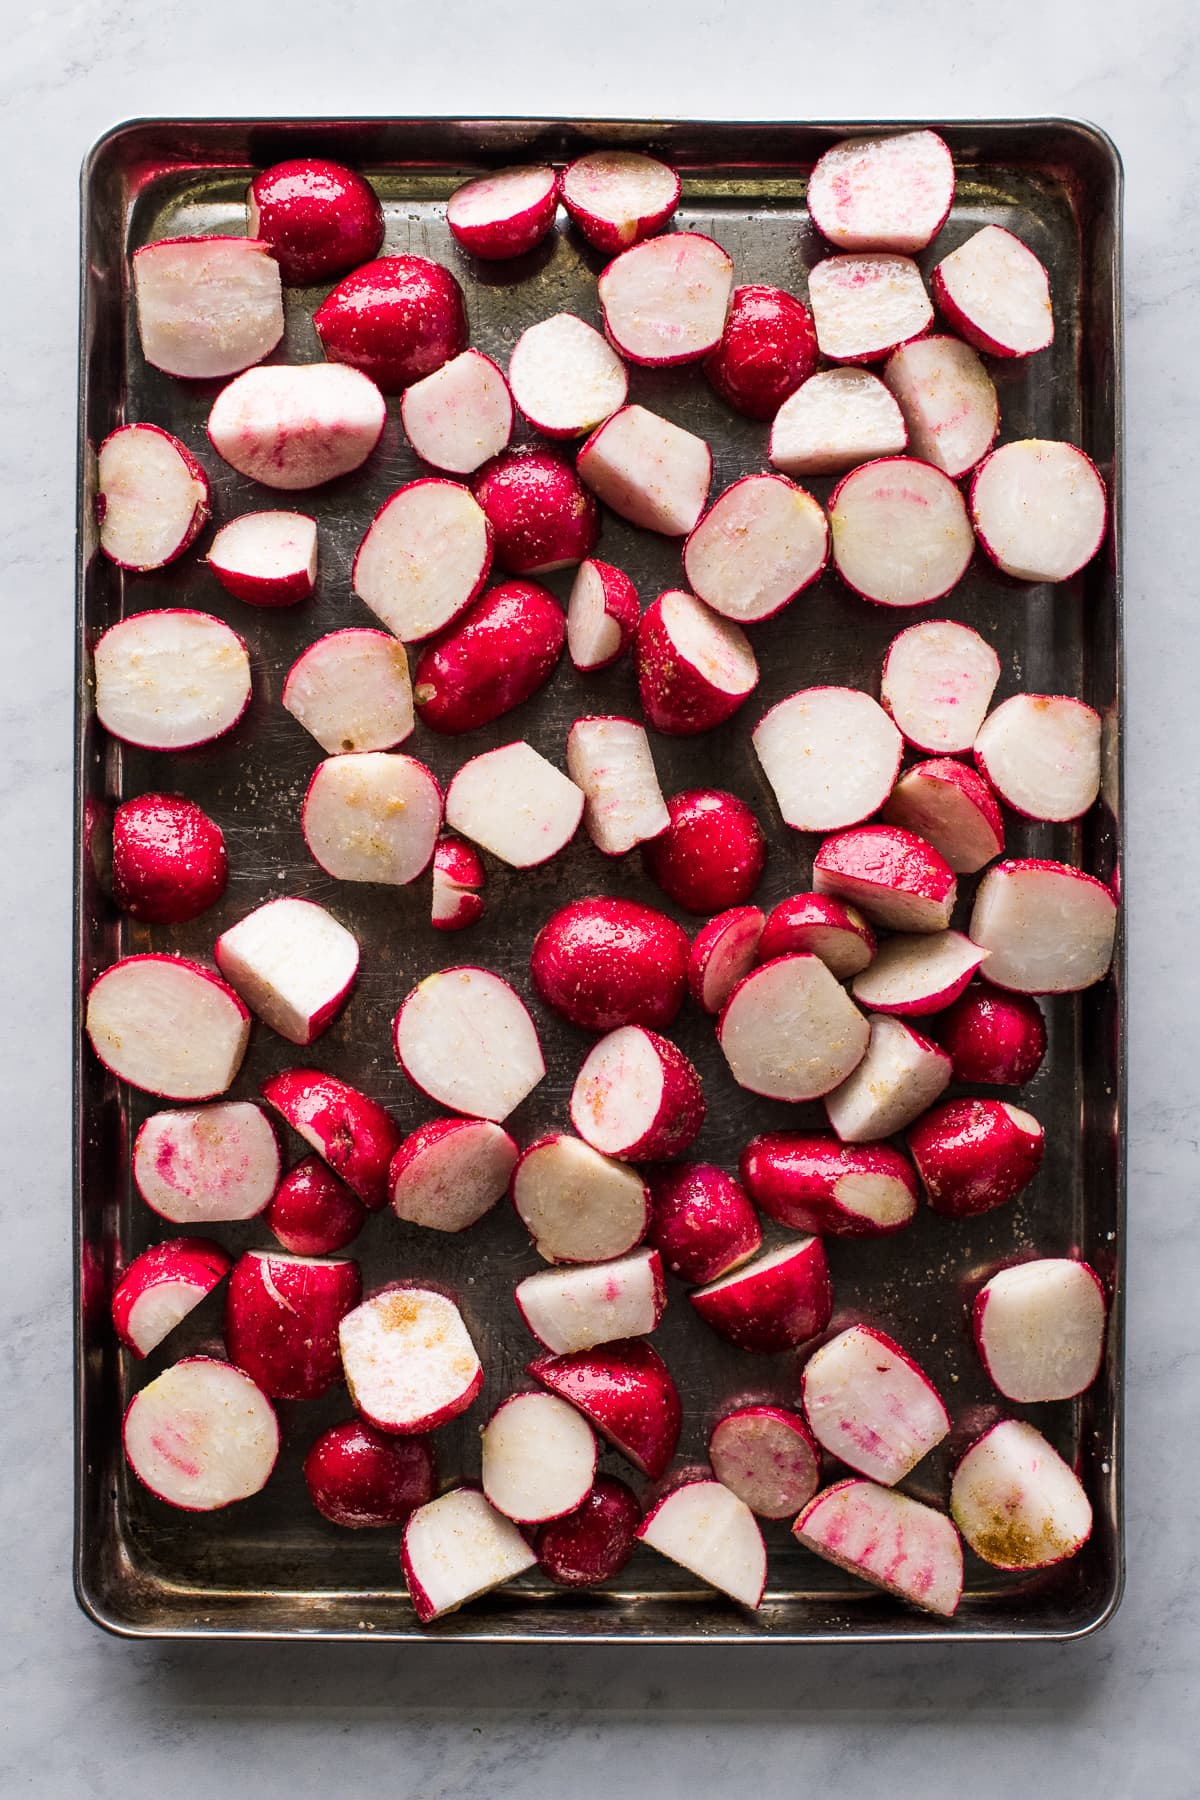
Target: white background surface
<point>82,1715</point>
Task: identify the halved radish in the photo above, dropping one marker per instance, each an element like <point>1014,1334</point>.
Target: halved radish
<point>973,1155</point>
<point>866,305</point>
<point>602,962</point>
<point>812,1182</point>
<point>458,417</point>
<point>618,197</point>
<point>207,306</point>
<point>713,853</point>
<point>789,1031</point>
<point>542,517</point>
<point>167,1026</point>
<point>201,1435</point>
<point>372,815</point>
<point>292,963</point>
<point>466,1039</point>
<point>602,615</point>
<point>952,808</point>
<point>1040,509</point>
<point>901,535</point>
<point>312,1212</point>
<point>1041,753</point>
<point>882,193</point>
<point>1048,928</point>
<point>363,1479</point>
<point>870,1405</point>
<point>456,1548</point>
<point>425,556</point>
<point>694,668</point>
<point>162,1286</point>
<point>896,1543</point>
<point>505,213</point>
<point>354,1134</point>
<point>208,1164</point>
<point>171,679</point>
<point>701,1221</point>
<point>836,420</point>
<point>948,400</point>
<point>351,690</point>
<point>938,680</point>
<point>995,293</point>
<point>768,349</point>
<point>577,1205</point>
<point>1039,1329</point>
<point>650,471</point>
<point>626,1390</point>
<point>491,659</point>
<point>594,1542</point>
<point>450,1172</point>
<point>831,755</point>
<point>577,1308</point>
<point>637,1097</point>
<point>758,546</point>
<point>894,876</point>
<point>396,318</point>
<point>819,925</point>
<point>169,862</point>
<point>723,951</point>
<point>539,1458</point>
<point>282,1314</point>
<point>152,497</point>
<point>1016,1501</point>
<point>766,1455</point>
<point>774,1303</point>
<point>994,1038</point>
<point>665,301</point>
<point>514,803</point>
<point>565,378</point>
<point>318,217</point>
<point>708,1531</point>
<point>458,880</point>
<point>918,974</point>
<point>901,1074</point>
<point>266,558</point>
<point>611,761</point>
<point>409,1361</point>
<point>297,425</point>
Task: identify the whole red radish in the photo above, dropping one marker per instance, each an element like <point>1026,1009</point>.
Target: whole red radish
<point>362,1478</point>
<point>449,1172</point>
<point>884,1537</point>
<point>152,497</point>
<point>594,1542</point>
<point>701,1221</point>
<point>602,615</point>
<point>603,962</point>
<point>811,1182</point>
<point>780,1300</point>
<point>767,1456</point>
<point>207,306</point>
<point>505,213</point>
<point>818,925</point>
<point>1015,1500</point>
<point>637,1097</point>
<point>492,658</point>
<point>973,1155</point>
<point>297,425</point>
<point>542,517</point>
<point>882,193</point>
<point>409,1361</point>
<point>318,218</point>
<point>724,950</point>
<point>694,668</point>
<point>201,1435</point>
<point>206,1164</point>
<point>162,1286</point>
<point>312,1213</point>
<point>266,558</point>
<point>713,853</point>
<point>167,1026</point>
<point>994,1039</point>
<point>626,1391</point>
<point>282,1314</point>
<point>768,349</point>
<point>619,197</point>
<point>870,1405</point>
<point>396,319</point>
<point>169,862</point>
<point>458,878</point>
<point>790,1032</point>
<point>352,1132</point>
<point>709,1531</point>
<point>171,679</point>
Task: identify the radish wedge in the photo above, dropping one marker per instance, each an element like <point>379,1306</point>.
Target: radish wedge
<point>694,668</point>
<point>425,556</point>
<point>565,378</point>
<point>948,400</point>
<point>1016,1501</point>
<point>201,1435</point>
<point>995,293</point>
<point>207,1165</point>
<point>611,761</point>
<point>312,1213</point>
<point>373,815</point>
<point>460,416</point>
<point>834,421</point>
<point>162,1286</point>
<point>207,306</point>
<point>577,1205</point>
<point>665,301</point>
<point>514,803</point>
<point>651,472</point>
<point>458,878</point>
<point>618,197</point>
<point>893,876</point>
<point>1039,508</point>
<point>450,1172</point>
<point>1039,1329</point>
<point>790,1032</point>
<point>505,213</point>
<point>637,1097</point>
<point>818,925</point>
<point>351,1132</point>
<point>266,558</point>
<point>723,951</point>
<point>780,1300</point>
<point>170,680</point>
<point>767,1457</point>
<point>810,1182</point>
<point>351,691</point>
<point>626,1391</point>
<point>919,974</point>
<point>938,680</point>
<point>167,1026</point>
<point>831,755</point>
<point>714,1535</point>
<point>1041,753</point>
<point>466,1039</point>
<point>409,1361</point>
<point>576,1308</point>
<point>292,963</point>
<point>758,546</point>
<point>539,1458</point>
<point>901,535</point>
<point>281,1320</point>
<point>882,193</point>
<point>901,1074</point>
<point>297,425</point>
<point>152,497</point>
<point>953,809</point>
<point>455,1549</point>
<point>869,1404</point>
<point>1048,928</point>
<point>866,305</point>
<point>602,615</point>
<point>896,1543</point>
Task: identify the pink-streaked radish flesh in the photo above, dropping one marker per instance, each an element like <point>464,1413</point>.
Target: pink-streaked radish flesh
<point>836,420</point>
<point>266,558</point>
<point>1047,927</point>
<point>295,426</point>
<point>207,1165</point>
<point>282,1314</point>
<point>637,1097</point>
<point>948,400</point>
<point>973,1155</point>
<point>893,876</point>
<point>994,1039</point>
<point>780,1300</point>
<point>713,853</point>
<point>162,1286</point>
<point>565,377</point>
<point>694,668</point>
<point>492,658</point>
<point>901,535</point>
<point>576,1308</point>
<point>594,1542</point>
<point>917,974</point>
<point>831,755</point>
<point>457,1548</point>
<point>611,761</point>
<point>293,965</point>
<point>601,962</point>
<point>201,1435</point>
<point>460,416</point>
<point>539,1458</point>
<point>896,1543</point>
<point>768,350</point>
<point>724,950</point>
<point>396,319</point>
<point>712,1534</point>
<point>648,470</point>
<point>167,1026</point>
<point>318,218</point>
<point>577,1205</point>
<point>866,305</point>
<point>363,1479</point>
<point>409,1361</point>
<point>170,680</point>
<point>759,545</point>
<point>1041,753</point>
<point>619,197</point>
<point>312,1213</point>
<point>1040,509</point>
<point>994,292</point>
<point>351,691</point>
<point>938,681</point>
<point>458,882</point>
<point>450,1172</point>
<point>665,301</point>
<point>1039,1329</point>
<point>514,803</point>
<point>506,213</point>
<point>425,557</point>
<point>626,1391</point>
<point>901,1074</point>
<point>602,616</point>
<point>207,306</point>
<point>790,1032</point>
<point>465,1038</point>
<point>152,497</point>
<point>1015,1500</point>
<point>951,807</point>
<point>767,1456</point>
<point>811,1182</point>
<point>701,1221</point>
<point>352,1133</point>
<point>169,862</point>
<point>870,1405</point>
<point>818,925</point>
<point>882,193</point>
<point>542,517</point>
<point>372,815</point>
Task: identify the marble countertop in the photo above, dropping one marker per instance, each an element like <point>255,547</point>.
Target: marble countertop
<point>84,1715</point>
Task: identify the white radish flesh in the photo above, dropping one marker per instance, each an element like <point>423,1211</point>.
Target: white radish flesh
<point>948,400</point>
<point>575,1308</point>
<point>267,558</point>
<point>459,1547</point>
<point>208,1165</point>
<point>565,378</point>
<point>611,762</point>
<point>818,925</point>
<point>938,680</point>
<point>617,197</point>
<point>152,497</point>
<point>870,1406</point>
<point>694,668</point>
<point>293,965</point>
<point>539,1458</point>
<point>352,691</point>
<point>901,535</point>
<point>1016,1501</point>
<point>460,416</point>
<point>577,1205</point>
<point>882,193</point>
<point>424,558</point>
<point>201,1435</point>
<point>1048,928</point>
<point>831,755</point>
<point>901,1074</point>
<point>789,1031</point>
<point>1041,753</point>
<point>409,1361</point>
<point>712,1534</point>
<point>866,305</point>
<point>666,301</point>
<point>207,306</point>
<point>167,1026</point>
<point>504,214</point>
<point>1039,1328</point>
<point>766,1457</point>
<point>372,816</point>
<point>834,421</point>
<point>466,1039</point>
<point>162,1286</point>
<point>894,1542</point>
<point>651,472</point>
<point>170,680</point>
<point>951,807</point>
<point>918,974</point>
<point>602,615</point>
<point>297,425</point>
<point>1039,509</point>
<point>757,547</point>
<point>450,1173</point>
<point>995,293</point>
<point>637,1096</point>
<point>514,803</point>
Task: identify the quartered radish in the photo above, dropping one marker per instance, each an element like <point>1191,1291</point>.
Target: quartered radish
<point>351,691</point>
<point>1039,1329</point>
<point>362,1478</point>
<point>882,193</point>
<point>1048,928</point>
<point>292,963</point>
<point>1041,753</point>
<point>767,1456</point>
<point>948,400</point>
<point>450,1172</point>
<point>626,1390</point>
<point>318,217</point>
<point>576,1308</point>
<point>458,881</point>
<point>870,1405</point>
<point>465,1038</point>
<point>409,1361</point>
<point>171,679</point>
<point>712,1534</point>
<point>577,1205</point>
<point>514,803</point>
<point>952,808</point>
<point>162,1286</point>
<point>836,420</point>
<point>397,318</point>
<point>637,1097</point>
<point>354,1134</point>
<point>594,1542</point>
<point>611,761</point>
<point>539,1458</point>
<point>425,556</point>
<point>724,950</point>
<point>713,853</point>
<point>648,470</point>
<point>973,1155</point>
<point>492,658</point>
<point>896,1543</point>
<point>768,349</point>
<point>313,1213</point>
<point>297,425</point>
<point>207,306</point>
<point>901,535</point>
<point>901,1074</point>
<point>565,378</point>
<point>1040,509</point>
<point>372,815</point>
<point>831,755</point>
<point>811,1182</point>
<point>893,876</point>
<point>167,1026</point>
<point>789,1031</point>
<point>505,213</point>
<point>701,1221</point>
<point>201,1435</point>
<point>818,925</point>
<point>995,293</point>
<point>665,301</point>
<point>774,1303</point>
<point>758,546</point>
<point>458,417</point>
<point>208,1164</point>
<point>602,962</point>
<point>938,680</point>
<point>618,197</point>
<point>694,668</point>
<point>994,1038</point>
<point>266,558</point>
<point>1016,1501</point>
<point>282,1314</point>
<point>541,515</point>
<point>168,859</point>
<point>455,1549</point>
<point>918,974</point>
<point>866,305</point>
<point>152,497</point>
<point>602,615</point>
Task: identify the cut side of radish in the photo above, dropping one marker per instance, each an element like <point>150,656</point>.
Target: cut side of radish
<point>694,668</point>
<point>352,1133</point>
<point>831,755</point>
<point>901,535</point>
<point>626,1390</point>
<point>297,425</point>
<point>637,1097</point>
<point>576,1308</point>
<point>372,815</point>
<point>651,472</point>
<point>834,421</point>
<point>409,1361</point>
<point>938,680</point>
<point>152,497</point>
<point>466,1039</point>
<point>882,193</point>
<point>866,305</point>
<point>170,680</point>
<point>167,1026</point>
<point>1016,1501</point>
<point>611,761</point>
<point>723,951</point>
<point>712,1534</point>
<point>457,1548</point>
<point>539,1458</point>
<point>1048,928</point>
<point>896,1543</point>
<point>602,615</point>
<point>458,417</point>
<point>759,545</point>
<point>162,1286</point>
<point>901,1074</point>
<point>811,1182</point>
<point>208,1164</point>
<point>458,881</point>
<point>768,1458</point>
<point>266,558</point>
<point>1040,509</point>
<point>953,809</point>
<point>1041,753</point>
<point>424,558</point>
<point>281,1320</point>
<point>894,876</point>
<point>919,974</point>
<point>666,301</point>
<point>504,214</point>
<point>514,803</point>
<point>201,1435</point>
<point>577,1205</point>
<point>869,1405</point>
<point>1039,1329</point>
<point>565,378</point>
<point>780,1300</point>
<point>207,306</point>
<point>995,293</point>
<point>789,1031</point>
<point>948,400</point>
<point>351,691</point>
<point>293,965</point>
<point>818,925</point>
<point>450,1172</point>
<point>618,197</point>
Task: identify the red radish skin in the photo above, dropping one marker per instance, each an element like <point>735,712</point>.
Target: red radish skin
<point>437,1033</point>
<point>712,855</point>
<point>491,659</point>
<point>373,815</point>
<point>1039,1329</point>
<point>202,1435</point>
<point>778,1301</point>
<point>818,925</point>
<point>541,515</point>
<point>1016,1501</point>
<point>901,1074</point>
<point>208,1164</point>
<point>995,293</point>
<point>516,804</point>
<point>919,974</point>
<point>993,1039</point>
<point>893,876</point>
<point>409,1361</point>
<point>168,1026</point>
<point>168,859</point>
<point>293,964</point>
<point>266,558</point>
<point>458,881</point>
<point>833,422</point>
<point>973,1155</point>
<point>449,1172</point>
<point>831,756</point>
<point>363,1479</point>
<point>1047,927</point>
<point>294,426</point>
<point>694,668</point>
<point>565,378</point>
<point>351,691</point>
<point>593,1543</point>
<point>577,1205</point>
<point>350,1131</point>
<point>539,1458</point>
<point>762,542</point>
<point>724,950</point>
<point>170,680</point>
<point>711,1533</point>
<point>1039,508</point>
<point>618,197</point>
<point>152,497</point>
<point>637,1097</point>
<point>901,535</point>
<point>938,680</point>
<point>610,760</point>
<point>506,213</point>
<point>426,555</point>
<point>949,402</point>
<point>790,1032</point>
<point>457,1548</point>
<point>648,470</point>
<point>813,1183</point>
<point>952,808</point>
<point>1041,753</point>
<point>312,1213</point>
<point>207,306</point>
<point>767,1456</point>
<point>162,1286</point>
<point>896,1543</point>
<point>768,349</point>
<point>569,1309</point>
<point>281,1320</point>
<point>866,305</point>
<point>882,193</point>
<point>665,301</point>
<point>701,1221</point>
<point>625,1390</point>
<point>870,1405</point>
<point>602,962</point>
<point>602,616</point>
<point>460,416</point>
<point>396,319</point>
<point>318,218</point>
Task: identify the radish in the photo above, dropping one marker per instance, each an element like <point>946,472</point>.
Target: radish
<point>919,974</point>
<point>514,803</point>
<point>831,755</point>
<point>938,679</point>
<point>637,1097</point>
<point>425,557</point>
<point>493,657</point>
<point>948,400</point>
<point>712,855</point>
<point>450,1172</point>
<point>694,668</point>
<point>541,515</point>
<point>594,1542</point>
<point>894,876</point>
<point>901,1074</point>
<point>901,535</point>
<point>1041,753</point>
<point>626,1391</point>
<point>458,877</point>
<point>318,218</point>
<point>618,197</point>
<point>281,1320</point>
<point>602,962</point>
<point>867,304</point>
<point>833,422</point>
<point>1040,509</point>
<point>201,1435</point>
<point>167,1026</point>
<point>352,1132</point>
<point>455,1549</point>
<point>539,1458</point>
<point>1047,928</point>
<point>458,417</point>
<point>466,1039</point>
<point>712,1534</point>
<point>162,1286</point>
<point>171,679</point>
<point>724,950</point>
<point>995,293</point>
<point>578,1206</point>
<point>768,349</point>
<point>362,1478</point>
<point>790,1032</point>
<point>759,545</point>
<point>701,1221</point>
<point>152,497</point>
<point>894,1542</point>
<point>767,1456</point>
<point>602,615</point>
<point>818,925</point>
<point>351,691</point>
<point>870,1405</point>
<point>266,558</point>
<point>311,1212</point>
<point>994,1038</point>
<point>665,301</point>
<point>208,1164</point>
<point>648,470</point>
<point>774,1303</point>
<point>372,815</point>
<point>611,760</point>
<point>207,306</point>
<point>293,965</point>
<point>1039,1329</point>
<point>813,1183</point>
<point>297,425</point>
<point>953,809</point>
<point>396,319</point>
<point>973,1155</point>
<point>409,1361</point>
<point>882,193</point>
<point>565,378</point>
<point>506,213</point>
<point>168,859</point>
<point>1016,1501</point>
<point>577,1308</point>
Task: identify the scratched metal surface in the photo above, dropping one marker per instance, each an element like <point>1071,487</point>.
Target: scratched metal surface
<point>271,1566</point>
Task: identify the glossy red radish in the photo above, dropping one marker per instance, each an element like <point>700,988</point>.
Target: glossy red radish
<point>602,615</point>
<point>363,1479</point>
<point>282,1314</point>
<point>207,1164</point>
<point>723,951</point>
<point>665,301</point>
<point>901,1074</point>
<point>901,535</point>
<point>882,193</point>
<point>694,668</point>
<point>297,425</point>
<point>618,197</point>
<point>351,691</point>
<point>611,761</point>
<point>505,213</point>
<point>759,545</point>
<point>317,217</point>
<point>311,1212</point>
<point>396,319</point>
<point>918,974</point>
<point>948,400</point>
<point>409,1361</point>
<point>952,808</point>
<point>994,292</point>
<point>372,815</point>
<point>458,881</point>
<point>701,1221</point>
<point>811,1182</point>
<point>896,1543</point>
<point>712,855</point>
<point>626,1391</point>
<point>168,859</point>
<point>768,349</point>
<point>352,1133</point>
<point>466,1039</point>
<point>637,1097</point>
<point>866,305</point>
<point>938,680</point>
<point>767,1456</point>
<point>201,1435</point>
<point>1039,1329</point>
<point>781,1299</point>
<point>449,1172</point>
<point>973,1155</point>
<point>167,1026</point>
<point>207,306</point>
<point>162,1286</point>
<point>1016,1501</point>
<point>993,1038</point>
<point>266,558</point>
<point>833,422</point>
<point>831,755</point>
<point>426,555</point>
<point>790,1032</point>
<point>456,1548</point>
<point>594,1542</point>
<point>571,1309</point>
<point>539,1458</point>
<point>708,1531</point>
<point>649,470</point>
<point>171,679</point>
<point>577,1205</point>
<point>152,497</point>
<point>460,416</point>
<point>870,1405</point>
<point>514,803</point>
<point>1041,753</point>
<point>541,515</point>
<point>493,657</point>
<point>565,377</point>
<point>1047,927</point>
<point>292,963</point>
<point>602,962</point>
<point>893,876</point>
<point>1039,508</point>
<point>818,925</point>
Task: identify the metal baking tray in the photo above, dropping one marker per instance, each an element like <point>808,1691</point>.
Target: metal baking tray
<point>271,1567</point>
